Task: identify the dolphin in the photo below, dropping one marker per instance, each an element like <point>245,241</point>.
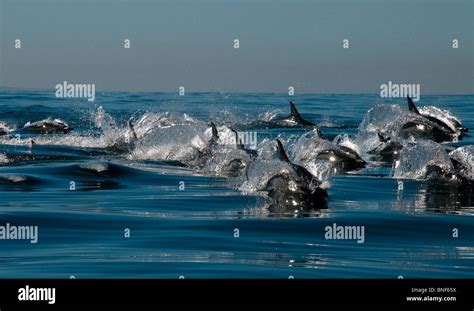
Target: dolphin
<point>47,126</point>
<point>455,122</point>
<point>127,143</point>
<point>435,172</point>
<point>293,120</point>
<point>212,143</point>
<point>462,159</point>
<point>298,190</point>
<point>427,126</point>
<point>340,157</point>
<point>238,164</point>
<point>458,169</point>
<point>241,146</point>
<point>387,150</point>
<point>454,186</point>
<point>204,154</point>
<point>450,185</point>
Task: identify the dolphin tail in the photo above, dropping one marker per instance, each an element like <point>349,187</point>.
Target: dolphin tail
<point>294,111</point>
<point>411,106</point>
<point>282,153</point>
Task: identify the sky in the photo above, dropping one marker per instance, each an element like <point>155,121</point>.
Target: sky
<point>190,43</point>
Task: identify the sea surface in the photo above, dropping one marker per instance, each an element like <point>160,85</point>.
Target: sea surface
<point>139,214</point>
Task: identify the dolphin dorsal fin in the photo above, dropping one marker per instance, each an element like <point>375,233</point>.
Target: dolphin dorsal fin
<point>411,106</point>
<point>294,111</point>
<point>282,153</point>
<point>215,136</point>
<point>130,126</point>
<point>381,138</point>
<point>455,163</point>
<point>238,141</point>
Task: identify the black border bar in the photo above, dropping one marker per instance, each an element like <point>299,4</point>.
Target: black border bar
<point>240,291</point>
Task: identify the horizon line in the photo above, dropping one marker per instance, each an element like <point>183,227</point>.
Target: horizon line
<point>228,92</point>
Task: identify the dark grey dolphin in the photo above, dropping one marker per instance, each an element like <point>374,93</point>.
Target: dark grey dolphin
<point>387,150</point>
<point>241,146</point>
<point>237,165</point>
<point>204,154</point>
<point>457,125</point>
<point>302,192</point>
<point>427,126</point>
<point>46,126</point>
<point>461,173</point>
<point>293,120</point>
<point>212,142</point>
<point>437,173</point>
<point>342,157</point>
<point>125,144</point>
<point>450,186</point>
<point>464,165</point>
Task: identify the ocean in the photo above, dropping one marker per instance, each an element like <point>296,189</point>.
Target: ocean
<point>140,213</point>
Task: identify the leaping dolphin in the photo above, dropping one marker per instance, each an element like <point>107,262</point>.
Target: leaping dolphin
<point>47,126</point>
<point>293,120</point>
<point>127,143</point>
<point>455,122</point>
<point>340,157</point>
<point>463,162</point>
<point>429,126</point>
<point>204,154</point>
<point>387,150</point>
<point>235,166</point>
<point>298,190</point>
<point>241,146</point>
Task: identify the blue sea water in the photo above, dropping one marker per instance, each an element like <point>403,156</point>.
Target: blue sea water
<point>192,232</point>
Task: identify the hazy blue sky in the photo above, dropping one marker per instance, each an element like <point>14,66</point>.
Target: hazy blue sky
<point>282,43</point>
